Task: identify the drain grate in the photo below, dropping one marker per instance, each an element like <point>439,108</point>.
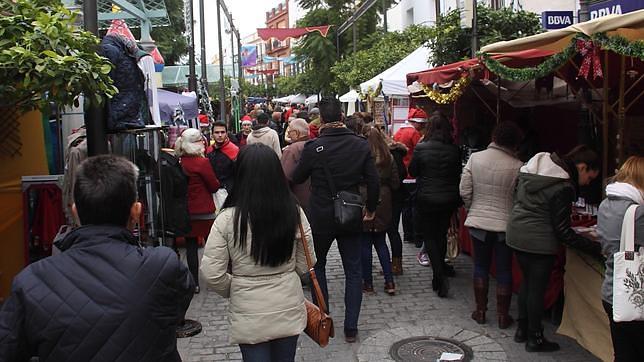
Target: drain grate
<point>427,348</point>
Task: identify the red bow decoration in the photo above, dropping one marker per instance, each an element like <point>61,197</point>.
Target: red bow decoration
<point>590,53</point>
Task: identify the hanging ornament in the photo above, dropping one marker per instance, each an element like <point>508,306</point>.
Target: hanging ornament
<point>590,53</point>
<point>433,92</point>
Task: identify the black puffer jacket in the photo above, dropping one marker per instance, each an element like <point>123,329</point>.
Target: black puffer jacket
<point>540,215</point>
<point>129,107</point>
<point>103,299</point>
<point>437,168</point>
<point>350,163</point>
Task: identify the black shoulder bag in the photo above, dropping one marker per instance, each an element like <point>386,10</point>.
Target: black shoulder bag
<point>347,205</point>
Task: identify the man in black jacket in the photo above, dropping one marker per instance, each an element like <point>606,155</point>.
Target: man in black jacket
<point>104,297</point>
<point>350,163</point>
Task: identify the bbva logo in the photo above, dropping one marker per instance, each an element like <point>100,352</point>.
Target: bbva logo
<point>559,20</point>
<point>615,9</point>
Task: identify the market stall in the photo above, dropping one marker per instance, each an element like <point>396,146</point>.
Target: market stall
<point>350,98</point>
<point>387,92</point>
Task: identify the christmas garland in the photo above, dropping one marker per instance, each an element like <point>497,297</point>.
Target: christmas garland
<point>620,45</point>
<point>450,97</point>
<point>525,74</point>
<point>617,44</point>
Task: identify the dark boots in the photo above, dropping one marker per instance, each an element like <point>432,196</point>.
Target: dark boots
<point>521,336</point>
<point>480,296</point>
<point>538,343</point>
<point>396,265</point>
<point>503,299</point>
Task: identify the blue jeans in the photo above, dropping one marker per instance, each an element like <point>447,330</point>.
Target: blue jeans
<point>276,350</point>
<point>483,258</point>
<point>350,249</point>
<point>377,239</point>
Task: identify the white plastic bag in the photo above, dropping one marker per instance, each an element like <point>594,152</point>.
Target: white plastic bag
<point>628,274</point>
<point>220,197</point>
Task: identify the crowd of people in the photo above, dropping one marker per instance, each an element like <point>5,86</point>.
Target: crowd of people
<point>253,196</point>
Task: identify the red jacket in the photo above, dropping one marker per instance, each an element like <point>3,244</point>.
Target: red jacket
<point>409,136</point>
<point>202,183</point>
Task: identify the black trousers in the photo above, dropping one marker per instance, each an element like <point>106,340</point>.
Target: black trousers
<point>192,257</point>
<point>536,270</point>
<point>433,226</point>
<point>392,231</point>
<point>627,337</point>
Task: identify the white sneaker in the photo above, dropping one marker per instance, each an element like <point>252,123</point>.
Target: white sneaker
<point>423,259</point>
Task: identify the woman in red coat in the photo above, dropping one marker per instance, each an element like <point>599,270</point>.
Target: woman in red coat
<point>202,183</point>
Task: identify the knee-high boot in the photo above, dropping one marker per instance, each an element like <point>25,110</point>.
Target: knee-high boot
<point>503,300</point>
<point>480,295</point>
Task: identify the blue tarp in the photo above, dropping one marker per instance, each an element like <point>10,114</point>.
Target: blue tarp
<point>170,101</point>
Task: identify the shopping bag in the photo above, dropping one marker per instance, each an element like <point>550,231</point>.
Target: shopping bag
<point>219,198</point>
<point>452,238</point>
<point>628,274</point>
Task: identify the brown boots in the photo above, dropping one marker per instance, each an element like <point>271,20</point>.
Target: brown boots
<point>480,295</point>
<point>396,265</point>
<point>503,300</point>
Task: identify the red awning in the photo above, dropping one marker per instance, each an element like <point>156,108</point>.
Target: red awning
<point>285,33</point>
<point>453,71</point>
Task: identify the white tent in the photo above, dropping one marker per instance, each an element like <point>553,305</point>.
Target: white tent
<point>297,98</point>
<point>394,79</point>
<point>281,100</point>
<point>350,97</point>
<point>312,100</point>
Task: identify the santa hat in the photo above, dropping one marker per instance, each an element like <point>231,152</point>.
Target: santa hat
<point>417,115</point>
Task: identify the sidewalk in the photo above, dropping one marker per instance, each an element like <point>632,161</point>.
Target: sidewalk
<point>414,311</point>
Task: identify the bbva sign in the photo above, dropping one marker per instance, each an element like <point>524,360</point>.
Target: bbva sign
<point>556,19</point>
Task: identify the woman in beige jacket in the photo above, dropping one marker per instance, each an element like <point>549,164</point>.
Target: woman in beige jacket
<point>258,232</point>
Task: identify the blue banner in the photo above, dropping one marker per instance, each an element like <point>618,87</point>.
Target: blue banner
<point>249,55</point>
<point>597,10</point>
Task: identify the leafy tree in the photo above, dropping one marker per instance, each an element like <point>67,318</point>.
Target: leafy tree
<point>382,53</point>
<point>320,53</point>
<point>451,43</point>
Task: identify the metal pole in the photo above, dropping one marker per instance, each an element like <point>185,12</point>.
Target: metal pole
<point>202,32</point>
<point>94,115</point>
<point>475,35</point>
<point>232,51</point>
<point>192,72</point>
<point>355,38</point>
<point>605,121</point>
<point>584,14</point>
<point>384,15</point>
<point>239,60</point>
<point>222,86</point>
<point>337,45</point>
<point>437,4</point>
<point>621,112</point>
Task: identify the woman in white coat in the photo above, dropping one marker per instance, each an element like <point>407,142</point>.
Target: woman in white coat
<point>258,231</point>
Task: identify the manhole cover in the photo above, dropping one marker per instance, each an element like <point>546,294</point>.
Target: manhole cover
<point>427,348</point>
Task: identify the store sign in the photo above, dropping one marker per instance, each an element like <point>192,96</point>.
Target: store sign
<point>556,19</point>
<point>608,7</point>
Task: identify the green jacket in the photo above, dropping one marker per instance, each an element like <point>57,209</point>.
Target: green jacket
<point>542,206</point>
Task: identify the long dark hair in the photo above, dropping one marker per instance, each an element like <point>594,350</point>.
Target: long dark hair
<point>440,129</point>
<point>262,198</point>
<point>378,145</point>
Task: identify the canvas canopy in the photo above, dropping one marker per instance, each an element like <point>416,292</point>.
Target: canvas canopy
<point>350,97</point>
<point>314,99</point>
<point>169,102</point>
<point>630,26</point>
<point>393,80</point>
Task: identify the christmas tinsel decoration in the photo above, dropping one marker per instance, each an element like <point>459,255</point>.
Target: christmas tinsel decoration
<point>620,45</point>
<point>450,97</point>
<point>617,44</point>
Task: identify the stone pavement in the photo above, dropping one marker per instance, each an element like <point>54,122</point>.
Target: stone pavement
<point>414,311</point>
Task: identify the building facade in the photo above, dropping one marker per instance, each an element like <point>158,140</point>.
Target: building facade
<point>278,17</point>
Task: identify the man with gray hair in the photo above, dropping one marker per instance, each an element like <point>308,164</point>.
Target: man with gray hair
<point>314,126</point>
<point>298,133</point>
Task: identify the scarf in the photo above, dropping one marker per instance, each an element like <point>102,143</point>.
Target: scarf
<point>623,189</point>
<point>332,125</point>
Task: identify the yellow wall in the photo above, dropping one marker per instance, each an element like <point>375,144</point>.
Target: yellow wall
<point>33,161</point>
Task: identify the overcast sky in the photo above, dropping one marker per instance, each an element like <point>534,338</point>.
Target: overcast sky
<point>248,15</point>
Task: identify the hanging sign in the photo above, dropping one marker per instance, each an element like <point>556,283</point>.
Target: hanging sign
<point>603,8</point>
<point>249,55</point>
<point>556,19</point>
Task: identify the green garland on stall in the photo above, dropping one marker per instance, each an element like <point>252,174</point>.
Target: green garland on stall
<point>617,44</point>
<point>525,74</point>
<point>620,45</point>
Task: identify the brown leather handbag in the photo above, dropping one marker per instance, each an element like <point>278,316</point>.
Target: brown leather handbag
<point>319,326</point>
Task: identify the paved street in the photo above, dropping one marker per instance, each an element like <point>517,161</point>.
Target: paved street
<point>414,311</point>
